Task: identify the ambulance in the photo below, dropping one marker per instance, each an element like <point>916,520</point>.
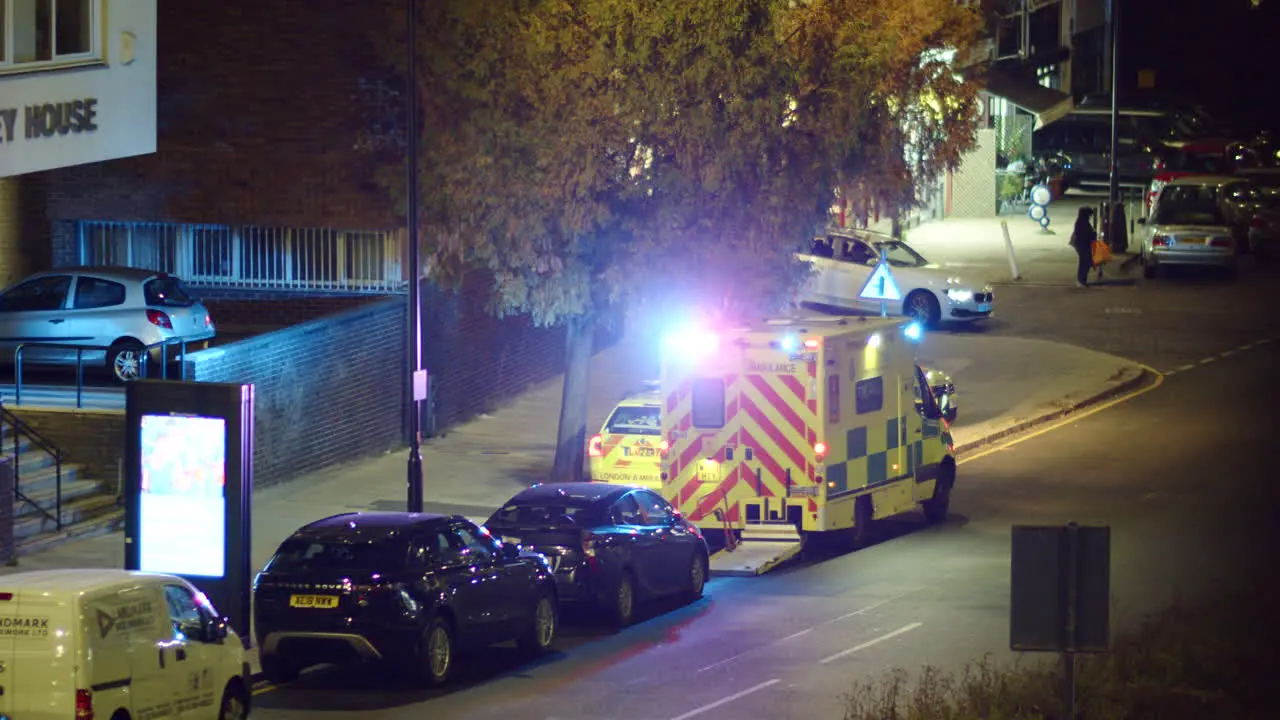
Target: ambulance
<point>113,644</point>
<point>627,449</point>
<point>796,428</point>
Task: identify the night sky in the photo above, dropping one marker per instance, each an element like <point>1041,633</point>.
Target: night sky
<point>1220,53</point>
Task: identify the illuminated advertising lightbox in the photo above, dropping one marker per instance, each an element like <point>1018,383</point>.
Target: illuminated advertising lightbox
<point>182,504</point>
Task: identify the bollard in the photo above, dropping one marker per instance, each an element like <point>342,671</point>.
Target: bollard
<point>1008,246</point>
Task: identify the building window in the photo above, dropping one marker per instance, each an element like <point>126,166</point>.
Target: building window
<point>49,33</point>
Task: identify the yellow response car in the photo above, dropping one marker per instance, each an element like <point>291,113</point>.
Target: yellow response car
<point>628,449</point>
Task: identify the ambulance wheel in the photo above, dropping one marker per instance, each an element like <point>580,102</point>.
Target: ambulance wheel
<point>862,522</point>
<point>937,507</point>
<point>279,670</point>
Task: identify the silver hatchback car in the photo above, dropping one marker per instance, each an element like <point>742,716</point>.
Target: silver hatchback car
<point>114,314</point>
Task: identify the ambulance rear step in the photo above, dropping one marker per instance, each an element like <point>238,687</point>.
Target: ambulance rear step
<point>763,547</point>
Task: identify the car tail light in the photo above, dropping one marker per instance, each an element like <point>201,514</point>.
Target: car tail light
<point>1160,241</point>
<point>84,705</point>
<point>208,320</point>
<point>6,596</point>
<point>1220,242</point>
<point>589,544</point>
<point>159,319</point>
<point>596,447</point>
<point>820,449</point>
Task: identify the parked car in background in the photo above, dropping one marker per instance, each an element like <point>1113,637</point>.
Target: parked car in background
<point>1199,220</point>
<point>1200,157</point>
<point>929,293</point>
<point>120,313</point>
<point>609,545</point>
<point>410,589</point>
<point>628,448</point>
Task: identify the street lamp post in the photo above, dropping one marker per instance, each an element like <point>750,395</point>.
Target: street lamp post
<point>413,338</point>
<point>1115,210</point>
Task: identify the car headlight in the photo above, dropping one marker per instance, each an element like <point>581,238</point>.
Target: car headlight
<point>959,295</point>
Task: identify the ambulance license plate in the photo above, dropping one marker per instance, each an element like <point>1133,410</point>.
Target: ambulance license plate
<point>322,602</point>
<point>643,451</point>
<point>984,307</point>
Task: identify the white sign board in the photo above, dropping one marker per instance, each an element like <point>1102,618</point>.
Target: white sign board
<point>95,105</point>
<point>881,285</point>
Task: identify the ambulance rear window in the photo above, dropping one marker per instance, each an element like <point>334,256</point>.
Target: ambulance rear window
<point>642,420</point>
<point>708,403</point>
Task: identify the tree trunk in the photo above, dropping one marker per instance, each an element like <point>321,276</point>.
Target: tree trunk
<point>571,440</point>
<point>895,225</point>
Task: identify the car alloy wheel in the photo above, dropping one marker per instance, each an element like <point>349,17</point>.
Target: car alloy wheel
<point>624,601</point>
<point>545,623</point>
<point>697,576</point>
<point>439,652</point>
<point>126,364</point>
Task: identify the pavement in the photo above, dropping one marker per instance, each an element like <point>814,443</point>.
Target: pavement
<point>974,248</point>
<point>1188,503</point>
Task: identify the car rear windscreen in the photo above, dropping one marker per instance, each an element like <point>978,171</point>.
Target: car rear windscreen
<point>641,420</point>
<point>166,291</point>
<point>297,554</point>
<point>1188,205</point>
<point>546,514</point>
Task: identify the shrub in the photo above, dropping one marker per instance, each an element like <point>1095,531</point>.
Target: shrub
<point>1208,659</point>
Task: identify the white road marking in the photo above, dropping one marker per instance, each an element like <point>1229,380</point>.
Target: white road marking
<point>1206,361</point>
<point>793,636</point>
<point>1149,496</point>
<point>727,699</point>
<point>1250,346</point>
<point>808,630</point>
<point>1226,354</point>
<point>1186,367</point>
<point>874,641</point>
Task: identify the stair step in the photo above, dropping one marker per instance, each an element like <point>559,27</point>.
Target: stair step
<point>37,481</point>
<point>74,512</point>
<point>103,523</point>
<point>47,497</point>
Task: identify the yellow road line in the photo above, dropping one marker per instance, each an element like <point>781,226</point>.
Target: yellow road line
<point>1071,418</point>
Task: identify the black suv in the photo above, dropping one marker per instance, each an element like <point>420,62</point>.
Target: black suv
<point>409,589</point>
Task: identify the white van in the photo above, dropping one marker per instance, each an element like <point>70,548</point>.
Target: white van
<point>116,645</point>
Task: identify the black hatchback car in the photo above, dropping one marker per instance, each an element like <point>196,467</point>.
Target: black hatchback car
<point>607,544</point>
<point>408,589</point>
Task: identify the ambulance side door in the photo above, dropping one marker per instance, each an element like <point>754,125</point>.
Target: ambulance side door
<point>196,677</point>
<point>926,429</point>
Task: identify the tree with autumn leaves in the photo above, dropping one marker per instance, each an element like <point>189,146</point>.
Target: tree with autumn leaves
<point>671,153</point>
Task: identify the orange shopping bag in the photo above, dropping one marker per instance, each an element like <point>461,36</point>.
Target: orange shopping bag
<point>1101,253</point>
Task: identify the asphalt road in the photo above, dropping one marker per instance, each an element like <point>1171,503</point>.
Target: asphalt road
<point>1167,322</point>
<point>1181,473</point>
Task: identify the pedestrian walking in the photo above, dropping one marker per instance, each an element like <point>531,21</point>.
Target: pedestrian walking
<point>1083,236</point>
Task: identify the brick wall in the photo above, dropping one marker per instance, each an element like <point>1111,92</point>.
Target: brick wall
<point>327,391</point>
<point>265,310</point>
<point>258,123</point>
<point>92,439</point>
<point>24,245</point>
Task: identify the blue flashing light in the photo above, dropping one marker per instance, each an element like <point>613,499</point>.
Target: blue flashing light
<point>790,343</point>
<point>914,331</point>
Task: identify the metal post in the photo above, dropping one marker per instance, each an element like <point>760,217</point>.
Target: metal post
<point>1069,654</point>
<point>884,304</point>
<point>79,378</point>
<point>413,337</point>
<point>1113,190</point>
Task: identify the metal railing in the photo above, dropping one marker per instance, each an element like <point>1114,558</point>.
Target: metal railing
<point>251,257</point>
<point>163,345</point>
<point>20,429</point>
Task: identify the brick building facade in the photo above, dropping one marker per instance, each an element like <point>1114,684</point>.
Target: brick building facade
<point>269,121</point>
